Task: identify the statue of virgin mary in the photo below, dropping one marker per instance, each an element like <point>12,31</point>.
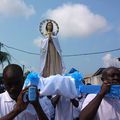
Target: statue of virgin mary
<point>50,54</point>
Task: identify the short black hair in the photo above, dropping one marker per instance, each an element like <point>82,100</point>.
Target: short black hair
<point>14,69</point>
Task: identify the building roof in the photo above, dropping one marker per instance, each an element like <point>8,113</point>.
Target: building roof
<point>98,72</point>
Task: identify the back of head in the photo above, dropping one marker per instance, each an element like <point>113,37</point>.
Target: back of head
<point>13,80</point>
<point>12,70</point>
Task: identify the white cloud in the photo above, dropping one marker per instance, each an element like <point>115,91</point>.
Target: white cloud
<point>15,8</point>
<point>108,61</point>
<point>38,41</point>
<point>77,20</point>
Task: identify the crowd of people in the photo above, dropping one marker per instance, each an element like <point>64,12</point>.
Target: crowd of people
<point>85,107</point>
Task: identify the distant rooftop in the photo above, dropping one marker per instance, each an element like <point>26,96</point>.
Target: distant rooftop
<point>98,72</point>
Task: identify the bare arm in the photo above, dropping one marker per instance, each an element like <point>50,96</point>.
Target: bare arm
<point>11,115</point>
<point>20,106</point>
<point>39,110</point>
<point>55,100</point>
<point>89,112</point>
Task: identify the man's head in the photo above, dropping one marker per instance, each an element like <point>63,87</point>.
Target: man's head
<point>13,80</point>
<point>111,74</point>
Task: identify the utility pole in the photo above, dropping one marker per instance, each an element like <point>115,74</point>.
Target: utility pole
<point>23,68</point>
<point>1,45</point>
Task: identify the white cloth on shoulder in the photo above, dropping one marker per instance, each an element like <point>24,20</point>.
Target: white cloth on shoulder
<point>57,84</point>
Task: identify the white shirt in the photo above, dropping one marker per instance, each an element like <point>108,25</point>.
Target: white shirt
<point>109,108</point>
<point>7,104</point>
<point>64,109</point>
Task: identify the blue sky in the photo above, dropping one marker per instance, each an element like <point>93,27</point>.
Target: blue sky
<point>85,26</point>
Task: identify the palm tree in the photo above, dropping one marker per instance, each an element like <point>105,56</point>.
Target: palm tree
<point>4,57</point>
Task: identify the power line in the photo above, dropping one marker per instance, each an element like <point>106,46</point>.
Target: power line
<point>72,55</point>
<point>15,59</point>
<point>92,53</point>
<point>21,50</point>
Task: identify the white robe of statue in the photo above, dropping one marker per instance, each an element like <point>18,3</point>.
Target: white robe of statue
<point>51,62</point>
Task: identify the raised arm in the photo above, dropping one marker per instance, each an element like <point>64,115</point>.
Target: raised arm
<point>36,104</point>
<point>89,112</point>
<point>40,112</point>
<point>19,107</point>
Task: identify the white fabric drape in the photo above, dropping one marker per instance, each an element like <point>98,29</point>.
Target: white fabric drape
<point>44,50</point>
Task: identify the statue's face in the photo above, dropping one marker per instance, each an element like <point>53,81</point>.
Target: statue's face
<point>49,27</point>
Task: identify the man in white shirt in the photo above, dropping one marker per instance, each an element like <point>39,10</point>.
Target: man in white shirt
<point>7,104</point>
<point>101,107</point>
<point>12,105</point>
